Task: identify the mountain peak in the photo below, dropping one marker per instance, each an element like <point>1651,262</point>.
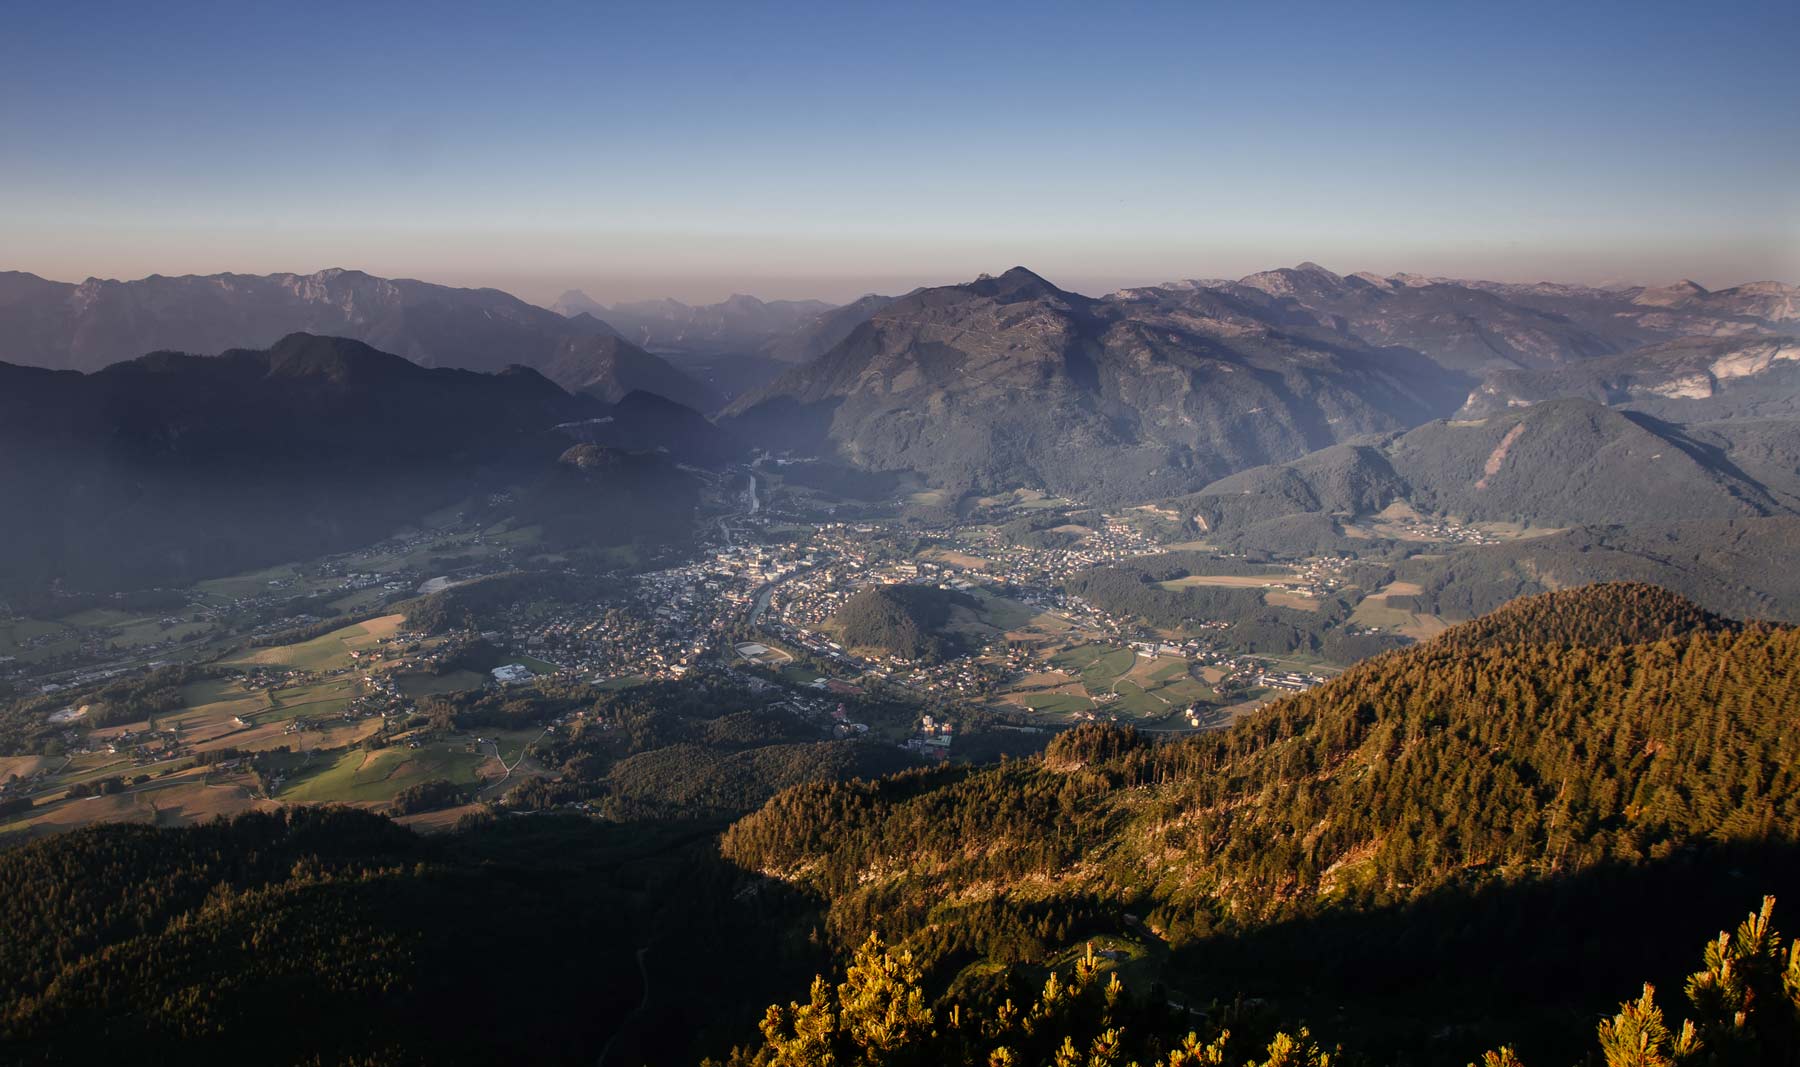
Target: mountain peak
<point>331,274</point>
<point>1016,285</point>
<point>1671,295</point>
<point>574,302</point>
<point>1602,614</point>
<point>339,360</point>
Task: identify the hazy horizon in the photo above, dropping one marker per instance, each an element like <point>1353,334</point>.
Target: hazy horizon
<point>699,290</point>
<point>692,152</point>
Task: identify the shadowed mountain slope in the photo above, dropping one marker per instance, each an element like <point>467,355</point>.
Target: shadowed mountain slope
<point>172,467</point>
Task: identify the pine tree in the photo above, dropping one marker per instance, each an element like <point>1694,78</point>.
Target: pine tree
<point>1746,993</point>
<point>1638,1037</point>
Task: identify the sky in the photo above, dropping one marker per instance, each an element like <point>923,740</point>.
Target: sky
<point>800,150</point>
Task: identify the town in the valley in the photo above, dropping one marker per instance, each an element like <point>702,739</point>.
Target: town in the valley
<point>318,661</point>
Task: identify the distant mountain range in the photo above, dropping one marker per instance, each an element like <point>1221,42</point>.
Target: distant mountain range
<point>1478,326</point>
<point>1012,381</point>
<point>171,467</point>
<point>1143,394</point>
<point>736,346</point>
<point>738,325</point>
<point>95,323</point>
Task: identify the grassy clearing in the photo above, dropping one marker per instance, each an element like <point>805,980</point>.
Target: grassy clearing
<point>358,777</point>
<point>16,634</point>
<point>1169,671</point>
<point>1102,673</point>
<point>215,700</point>
<point>1186,691</point>
<point>1078,657</point>
<point>1135,702</point>
<point>318,701</point>
<point>1282,598</point>
<point>324,653</point>
<point>1374,610</point>
<point>1057,703</point>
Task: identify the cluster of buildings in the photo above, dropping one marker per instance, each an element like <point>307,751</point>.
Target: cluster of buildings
<point>933,738</point>
<point>1288,681</point>
<point>1443,531</point>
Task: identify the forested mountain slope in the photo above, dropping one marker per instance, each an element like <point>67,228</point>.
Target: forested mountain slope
<point>1561,463</point>
<point>1480,790</point>
<point>1744,568</point>
<point>1612,724</point>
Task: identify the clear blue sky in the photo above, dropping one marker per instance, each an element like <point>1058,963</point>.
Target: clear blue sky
<point>831,149</point>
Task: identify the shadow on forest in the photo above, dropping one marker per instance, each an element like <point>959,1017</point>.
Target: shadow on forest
<point>1532,964</point>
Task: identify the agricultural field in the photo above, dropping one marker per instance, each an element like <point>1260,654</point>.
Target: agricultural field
<point>1059,704</point>
<point>1287,598</point>
<point>362,777</point>
<point>1375,611</point>
<point>327,652</point>
<point>1098,666</point>
<point>31,640</point>
<point>1154,688</point>
<point>955,558</point>
<point>132,630</point>
<point>1116,681</point>
<point>223,713</point>
<point>315,701</point>
<point>181,799</point>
